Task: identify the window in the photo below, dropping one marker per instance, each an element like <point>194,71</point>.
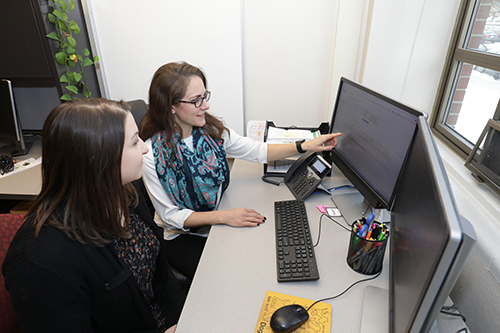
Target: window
<point>469,92</point>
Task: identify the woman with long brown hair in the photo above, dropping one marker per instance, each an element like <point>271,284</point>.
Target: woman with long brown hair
<point>89,257</point>
<point>186,169</point>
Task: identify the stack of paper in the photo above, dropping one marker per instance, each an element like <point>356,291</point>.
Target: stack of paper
<point>281,135</point>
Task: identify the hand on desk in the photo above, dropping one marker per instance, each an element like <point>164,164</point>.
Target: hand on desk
<point>237,217</point>
<point>241,217</point>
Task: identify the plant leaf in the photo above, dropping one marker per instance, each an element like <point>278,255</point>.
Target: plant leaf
<point>64,6</point>
<point>73,89</point>
<point>71,5</point>
<point>66,97</point>
<point>71,41</point>
<point>96,58</point>
<point>52,18</point>
<point>74,27</point>
<point>85,52</point>
<point>74,77</point>
<point>87,62</point>
<point>71,77</point>
<point>71,64</point>
<point>62,25</point>
<point>53,35</point>
<point>69,50</point>
<point>64,79</point>
<point>61,58</point>
<point>87,93</point>
<point>62,15</point>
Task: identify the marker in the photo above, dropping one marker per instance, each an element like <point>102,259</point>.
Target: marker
<point>369,222</point>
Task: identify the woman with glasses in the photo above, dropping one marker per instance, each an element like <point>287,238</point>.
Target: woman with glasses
<point>186,170</point>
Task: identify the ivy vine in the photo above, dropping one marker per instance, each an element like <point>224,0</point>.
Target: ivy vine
<point>67,56</point>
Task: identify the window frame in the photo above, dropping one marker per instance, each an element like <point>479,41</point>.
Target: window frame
<point>457,55</point>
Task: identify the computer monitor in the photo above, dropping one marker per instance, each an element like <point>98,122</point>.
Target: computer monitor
<point>377,135</point>
<point>429,240</point>
<point>10,127</point>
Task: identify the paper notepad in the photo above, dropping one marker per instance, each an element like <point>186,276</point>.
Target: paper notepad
<point>320,315</point>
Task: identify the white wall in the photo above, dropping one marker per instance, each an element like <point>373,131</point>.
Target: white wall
<point>279,60</point>
<point>137,37</point>
<point>407,49</point>
<point>288,59</point>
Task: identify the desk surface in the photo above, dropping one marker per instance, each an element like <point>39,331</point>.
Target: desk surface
<point>238,265</point>
<point>24,185</point>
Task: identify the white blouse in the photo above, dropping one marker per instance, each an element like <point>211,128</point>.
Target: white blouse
<point>170,216</point>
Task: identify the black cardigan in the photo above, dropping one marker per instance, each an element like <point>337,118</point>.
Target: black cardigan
<point>61,285</point>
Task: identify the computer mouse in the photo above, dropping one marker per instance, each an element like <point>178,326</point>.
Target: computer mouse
<point>288,318</point>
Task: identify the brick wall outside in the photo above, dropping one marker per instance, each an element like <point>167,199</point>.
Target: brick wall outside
<point>481,24</point>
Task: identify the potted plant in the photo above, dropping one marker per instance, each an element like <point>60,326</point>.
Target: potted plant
<point>65,31</point>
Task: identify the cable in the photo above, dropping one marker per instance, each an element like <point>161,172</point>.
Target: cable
<point>352,285</point>
<point>331,218</point>
<point>267,179</point>
<point>463,330</point>
<point>321,220</point>
<point>342,293</point>
<point>339,187</point>
<point>446,310</point>
<point>6,164</point>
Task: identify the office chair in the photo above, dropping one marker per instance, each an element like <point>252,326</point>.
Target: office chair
<point>9,224</point>
<point>138,108</point>
<point>140,187</point>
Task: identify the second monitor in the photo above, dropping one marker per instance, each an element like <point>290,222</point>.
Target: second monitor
<point>378,132</point>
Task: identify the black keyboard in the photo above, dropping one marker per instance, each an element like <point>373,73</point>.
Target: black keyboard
<point>294,248</point>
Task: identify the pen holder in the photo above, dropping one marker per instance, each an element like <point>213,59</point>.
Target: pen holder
<point>366,248</point>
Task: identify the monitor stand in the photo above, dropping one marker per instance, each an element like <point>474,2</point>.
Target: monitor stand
<point>350,203</point>
<point>14,150</point>
<point>376,307</point>
<point>375,315</point>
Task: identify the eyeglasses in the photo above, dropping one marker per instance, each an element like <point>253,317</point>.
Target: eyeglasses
<point>199,100</point>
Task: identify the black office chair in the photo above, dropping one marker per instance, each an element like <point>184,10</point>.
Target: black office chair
<point>184,281</point>
<point>138,108</point>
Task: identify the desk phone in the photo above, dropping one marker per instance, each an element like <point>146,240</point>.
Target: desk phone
<point>306,174</point>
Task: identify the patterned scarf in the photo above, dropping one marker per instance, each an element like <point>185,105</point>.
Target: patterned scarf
<point>194,178</point>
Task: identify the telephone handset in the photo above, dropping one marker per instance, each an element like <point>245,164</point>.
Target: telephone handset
<point>306,174</point>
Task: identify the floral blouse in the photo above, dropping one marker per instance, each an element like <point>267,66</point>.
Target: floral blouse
<point>139,253</point>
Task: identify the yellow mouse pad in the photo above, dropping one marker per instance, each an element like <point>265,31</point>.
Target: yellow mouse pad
<point>320,315</point>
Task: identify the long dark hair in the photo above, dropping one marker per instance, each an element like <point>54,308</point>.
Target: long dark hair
<point>82,191</point>
<point>168,87</point>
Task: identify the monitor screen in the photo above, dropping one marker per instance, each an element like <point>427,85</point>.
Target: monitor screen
<point>429,240</point>
<point>10,128</point>
<point>377,134</point>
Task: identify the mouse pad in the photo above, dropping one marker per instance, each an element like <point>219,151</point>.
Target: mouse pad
<point>320,315</point>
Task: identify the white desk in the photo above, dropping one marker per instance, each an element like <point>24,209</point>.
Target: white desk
<point>24,185</point>
<point>238,266</point>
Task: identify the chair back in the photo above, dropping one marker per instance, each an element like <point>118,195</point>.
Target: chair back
<point>9,224</point>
